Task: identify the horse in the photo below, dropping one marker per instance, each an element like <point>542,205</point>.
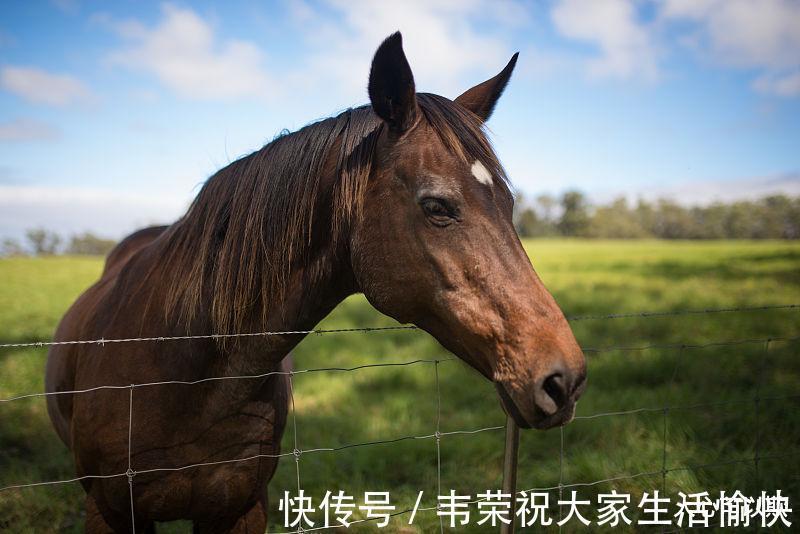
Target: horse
<point>402,199</point>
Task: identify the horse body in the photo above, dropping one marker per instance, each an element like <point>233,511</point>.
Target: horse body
<point>403,201</point>
<point>171,426</point>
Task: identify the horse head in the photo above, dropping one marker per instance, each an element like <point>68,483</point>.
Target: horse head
<point>435,244</point>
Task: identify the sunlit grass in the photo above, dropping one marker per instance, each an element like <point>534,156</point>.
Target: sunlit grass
<point>586,277</point>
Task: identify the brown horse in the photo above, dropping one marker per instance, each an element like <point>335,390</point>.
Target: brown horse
<point>403,200</point>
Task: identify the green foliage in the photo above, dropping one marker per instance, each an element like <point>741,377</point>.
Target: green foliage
<point>43,242</point>
<point>88,244</point>
<point>586,277</point>
<point>537,219</point>
<point>574,214</point>
<point>773,217</point>
<point>11,247</point>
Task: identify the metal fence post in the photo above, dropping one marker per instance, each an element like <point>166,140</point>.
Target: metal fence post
<point>510,471</point>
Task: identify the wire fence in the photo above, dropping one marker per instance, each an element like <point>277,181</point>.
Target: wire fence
<point>298,452</point>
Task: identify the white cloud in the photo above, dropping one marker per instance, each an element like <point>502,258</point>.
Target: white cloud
<point>69,7</point>
<point>447,41</point>
<point>707,192</point>
<point>41,87</point>
<point>760,34</point>
<point>627,50</point>
<point>184,53</point>
<point>779,84</point>
<point>27,130</point>
<point>71,210</point>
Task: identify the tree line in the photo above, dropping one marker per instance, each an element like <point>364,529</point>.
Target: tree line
<point>43,242</point>
<point>571,215</point>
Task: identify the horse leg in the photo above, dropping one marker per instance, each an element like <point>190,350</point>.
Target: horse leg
<point>254,521</point>
<point>97,524</point>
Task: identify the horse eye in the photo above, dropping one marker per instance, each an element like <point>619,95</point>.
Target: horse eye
<point>437,210</point>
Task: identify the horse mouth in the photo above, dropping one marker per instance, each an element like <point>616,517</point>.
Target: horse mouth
<point>542,421</point>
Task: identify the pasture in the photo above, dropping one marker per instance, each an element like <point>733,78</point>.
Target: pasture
<point>587,278</point>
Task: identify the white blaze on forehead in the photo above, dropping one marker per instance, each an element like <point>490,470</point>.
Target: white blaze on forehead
<point>481,173</point>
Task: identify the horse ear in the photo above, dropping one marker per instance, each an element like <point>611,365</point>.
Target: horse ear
<point>391,85</point>
<point>482,98</point>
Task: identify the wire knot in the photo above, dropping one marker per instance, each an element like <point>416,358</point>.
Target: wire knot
<point>297,452</point>
<point>437,435</point>
<point>130,473</point>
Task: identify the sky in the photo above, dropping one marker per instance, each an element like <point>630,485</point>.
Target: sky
<point>113,113</point>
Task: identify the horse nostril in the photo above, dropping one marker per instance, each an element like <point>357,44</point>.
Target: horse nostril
<point>554,386</point>
<point>552,395</point>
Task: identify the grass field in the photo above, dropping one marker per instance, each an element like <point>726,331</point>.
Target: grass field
<point>586,277</point>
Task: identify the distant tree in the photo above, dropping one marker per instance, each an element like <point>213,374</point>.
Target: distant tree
<point>11,247</point>
<point>546,205</point>
<point>615,220</point>
<point>575,216</point>
<point>43,242</point>
<point>741,221</point>
<point>793,230</point>
<point>90,245</point>
<point>527,223</point>
<point>673,221</point>
<point>711,222</point>
<point>780,220</point>
<point>773,217</point>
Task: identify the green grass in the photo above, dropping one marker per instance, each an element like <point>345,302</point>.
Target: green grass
<point>586,277</point>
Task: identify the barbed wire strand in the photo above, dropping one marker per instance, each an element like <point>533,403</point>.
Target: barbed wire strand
<point>366,366</point>
<point>230,377</point>
<point>679,407</point>
<point>130,472</point>
<point>668,346</point>
<point>665,416</point>
<point>643,314</point>
<point>296,451</point>
<point>438,441</point>
<point>560,474</point>
<point>762,362</point>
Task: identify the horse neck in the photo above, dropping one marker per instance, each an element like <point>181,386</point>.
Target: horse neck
<point>312,291</point>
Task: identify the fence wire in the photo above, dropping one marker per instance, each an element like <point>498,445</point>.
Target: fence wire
<point>438,434</point>
<point>643,314</point>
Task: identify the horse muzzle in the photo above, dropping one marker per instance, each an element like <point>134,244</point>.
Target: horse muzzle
<point>550,404</point>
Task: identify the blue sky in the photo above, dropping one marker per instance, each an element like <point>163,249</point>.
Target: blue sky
<point>112,113</point>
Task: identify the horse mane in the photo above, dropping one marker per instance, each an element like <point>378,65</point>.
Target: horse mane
<point>253,220</point>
